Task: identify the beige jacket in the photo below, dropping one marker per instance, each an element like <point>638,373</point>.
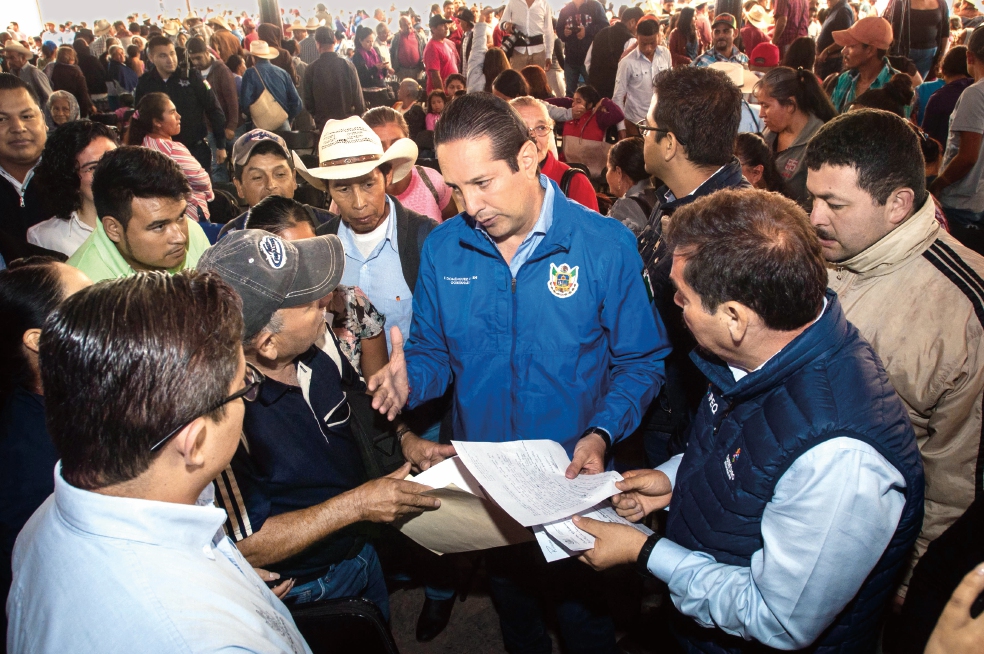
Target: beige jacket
<point>917,296</point>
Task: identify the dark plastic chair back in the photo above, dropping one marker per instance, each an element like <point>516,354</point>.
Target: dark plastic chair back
<point>299,140</point>
<point>344,625</point>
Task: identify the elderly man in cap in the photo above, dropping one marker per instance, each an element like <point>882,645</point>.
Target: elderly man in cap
<point>294,491</point>
<point>724,30</point>
<point>864,46</point>
<point>19,60</point>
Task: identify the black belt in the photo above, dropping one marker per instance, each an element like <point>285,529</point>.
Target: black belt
<point>535,40</point>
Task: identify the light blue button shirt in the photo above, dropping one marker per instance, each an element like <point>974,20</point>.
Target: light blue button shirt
<point>830,519</point>
<point>380,275</point>
<point>543,223</point>
<point>96,573</point>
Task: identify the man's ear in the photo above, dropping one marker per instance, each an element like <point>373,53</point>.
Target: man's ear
<point>239,188</point>
<point>265,345</point>
<point>114,229</point>
<point>737,318</point>
<point>528,159</point>
<point>31,338</point>
<point>190,441</point>
<point>900,205</point>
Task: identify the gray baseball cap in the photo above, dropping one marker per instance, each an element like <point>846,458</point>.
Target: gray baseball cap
<point>243,147</point>
<point>270,273</point>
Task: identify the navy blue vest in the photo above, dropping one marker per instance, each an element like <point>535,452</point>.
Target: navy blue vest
<point>827,383</point>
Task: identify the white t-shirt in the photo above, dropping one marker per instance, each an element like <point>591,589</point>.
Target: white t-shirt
<point>967,116</point>
<point>65,236</point>
<point>368,242</point>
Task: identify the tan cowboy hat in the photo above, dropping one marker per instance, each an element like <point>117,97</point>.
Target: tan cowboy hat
<point>743,79</point>
<point>313,23</point>
<point>190,17</point>
<point>16,46</point>
<point>171,27</point>
<point>298,24</point>
<point>102,27</point>
<point>349,149</point>
<point>220,21</point>
<point>759,17</point>
<point>263,50</point>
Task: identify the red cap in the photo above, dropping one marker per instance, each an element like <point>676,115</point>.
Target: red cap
<point>764,55</point>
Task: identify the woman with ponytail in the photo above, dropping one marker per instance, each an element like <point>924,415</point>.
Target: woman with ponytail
<point>153,125</point>
<point>793,107</point>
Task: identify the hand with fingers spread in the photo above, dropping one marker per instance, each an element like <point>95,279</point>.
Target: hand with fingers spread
<point>389,387</point>
<point>643,491</point>
<point>589,456</point>
<point>389,498</point>
<point>956,631</point>
<point>423,453</point>
<point>614,544</point>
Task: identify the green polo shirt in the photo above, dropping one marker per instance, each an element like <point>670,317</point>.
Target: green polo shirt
<point>99,259</point>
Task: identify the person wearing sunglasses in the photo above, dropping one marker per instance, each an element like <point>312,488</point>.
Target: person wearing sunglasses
<point>296,487</point>
<point>129,549</point>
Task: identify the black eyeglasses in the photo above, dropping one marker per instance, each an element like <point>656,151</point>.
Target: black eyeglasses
<point>643,128</point>
<point>249,392</point>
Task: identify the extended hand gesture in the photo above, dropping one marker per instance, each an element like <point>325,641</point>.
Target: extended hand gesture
<point>643,491</point>
<point>391,497</point>
<point>389,387</point>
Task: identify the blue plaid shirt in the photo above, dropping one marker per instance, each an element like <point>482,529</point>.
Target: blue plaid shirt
<point>713,56</point>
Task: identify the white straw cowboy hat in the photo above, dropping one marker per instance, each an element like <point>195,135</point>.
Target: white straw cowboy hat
<point>349,149</point>
<point>313,23</point>
<point>220,21</point>
<point>171,27</point>
<point>102,27</point>
<point>263,50</point>
<point>739,76</point>
<point>298,24</point>
<point>759,17</point>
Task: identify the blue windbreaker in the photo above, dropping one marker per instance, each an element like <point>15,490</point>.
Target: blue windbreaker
<point>547,354</point>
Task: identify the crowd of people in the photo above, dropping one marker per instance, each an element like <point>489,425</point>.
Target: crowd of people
<point>255,273</point>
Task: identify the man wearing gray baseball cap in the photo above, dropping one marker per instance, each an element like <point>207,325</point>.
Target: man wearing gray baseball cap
<point>295,488</point>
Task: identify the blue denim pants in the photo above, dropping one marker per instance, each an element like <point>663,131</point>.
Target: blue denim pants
<point>572,76</point>
<point>360,576</point>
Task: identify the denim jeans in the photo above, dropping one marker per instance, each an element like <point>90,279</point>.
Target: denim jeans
<point>219,172</point>
<point>923,59</point>
<point>360,576</point>
<point>519,579</point>
<point>573,76</point>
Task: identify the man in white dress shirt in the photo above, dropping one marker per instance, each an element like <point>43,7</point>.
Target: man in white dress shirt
<point>634,79</point>
<point>534,19</point>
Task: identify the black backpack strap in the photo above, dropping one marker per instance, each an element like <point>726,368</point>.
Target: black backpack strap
<point>430,185</point>
<point>567,178</point>
<point>646,209</point>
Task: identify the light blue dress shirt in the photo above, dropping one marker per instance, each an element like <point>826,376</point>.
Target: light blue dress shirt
<point>543,223</point>
<point>830,519</point>
<point>96,573</point>
<point>380,275</point>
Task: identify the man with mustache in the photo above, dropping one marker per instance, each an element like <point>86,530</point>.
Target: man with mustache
<point>725,28</point>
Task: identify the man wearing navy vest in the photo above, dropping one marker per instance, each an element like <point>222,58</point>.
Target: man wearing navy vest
<point>800,493</point>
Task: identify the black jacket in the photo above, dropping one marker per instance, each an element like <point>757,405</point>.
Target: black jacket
<point>411,230</point>
<point>606,50</point>
<point>332,89</point>
<point>194,101</point>
<point>15,218</point>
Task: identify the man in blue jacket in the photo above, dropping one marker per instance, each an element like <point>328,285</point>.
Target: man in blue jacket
<point>538,309</point>
<point>800,493</point>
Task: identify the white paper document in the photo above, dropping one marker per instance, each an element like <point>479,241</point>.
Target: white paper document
<point>573,539</point>
<point>526,479</point>
<point>448,472</point>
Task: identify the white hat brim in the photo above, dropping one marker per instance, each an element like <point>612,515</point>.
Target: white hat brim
<point>402,154</point>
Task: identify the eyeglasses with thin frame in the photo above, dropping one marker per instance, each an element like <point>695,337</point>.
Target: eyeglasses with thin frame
<point>541,130</point>
<point>249,393</point>
<point>643,128</point>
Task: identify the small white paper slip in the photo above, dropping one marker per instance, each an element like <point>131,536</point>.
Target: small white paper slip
<point>526,478</point>
<point>448,472</point>
<point>552,550</point>
<point>567,534</point>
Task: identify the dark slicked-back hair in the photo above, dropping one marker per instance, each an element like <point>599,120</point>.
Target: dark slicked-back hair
<point>479,115</point>
<point>10,82</point>
<point>753,247</point>
<point>134,172</point>
<point>890,161</point>
<point>702,108</point>
<point>276,214</point>
<point>126,362</point>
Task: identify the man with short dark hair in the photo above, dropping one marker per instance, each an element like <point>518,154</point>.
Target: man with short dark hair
<point>634,79</point>
<point>577,24</point>
<point>522,293</point>
<point>23,134</point>
<point>801,489</point>
<point>878,229</point>
<point>440,54</point>
<point>331,84</point>
<point>606,51</point>
<point>296,487</point>
<point>223,85</point>
<point>864,48</point>
<point>18,59</point>
<point>693,161</point>
<point>191,96</point>
<point>129,551</point>
<point>960,184</point>
<point>724,29</point>
<point>407,52</point>
<point>140,197</point>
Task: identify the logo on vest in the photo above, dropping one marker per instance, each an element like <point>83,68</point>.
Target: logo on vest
<point>728,463</point>
<point>712,403</point>
<point>273,251</point>
<point>563,280</point>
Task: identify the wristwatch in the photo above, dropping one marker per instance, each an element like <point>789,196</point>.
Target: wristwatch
<point>605,436</point>
<point>642,563</point>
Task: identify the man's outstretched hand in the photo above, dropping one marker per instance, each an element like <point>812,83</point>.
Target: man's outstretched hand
<point>589,456</point>
<point>389,387</point>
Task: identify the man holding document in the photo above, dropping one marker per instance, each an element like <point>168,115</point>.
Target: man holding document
<point>801,489</point>
<point>539,311</point>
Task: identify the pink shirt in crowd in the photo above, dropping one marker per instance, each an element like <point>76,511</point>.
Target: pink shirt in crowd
<point>442,57</point>
<point>201,185</point>
<point>419,198</point>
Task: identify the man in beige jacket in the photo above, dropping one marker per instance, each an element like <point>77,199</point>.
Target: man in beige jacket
<point>912,290</point>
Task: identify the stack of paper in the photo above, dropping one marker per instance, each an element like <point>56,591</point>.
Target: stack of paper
<point>526,482</point>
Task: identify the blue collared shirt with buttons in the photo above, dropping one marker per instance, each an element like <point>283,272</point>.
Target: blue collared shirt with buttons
<point>543,223</point>
<point>380,275</point>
